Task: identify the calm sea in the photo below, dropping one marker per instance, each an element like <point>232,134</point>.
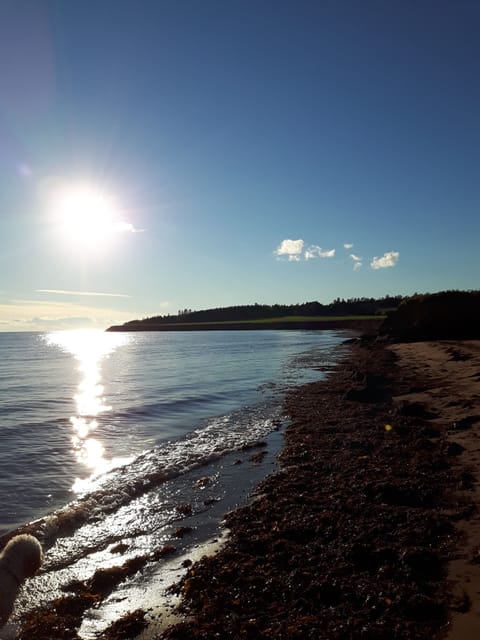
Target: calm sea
<point>104,436</point>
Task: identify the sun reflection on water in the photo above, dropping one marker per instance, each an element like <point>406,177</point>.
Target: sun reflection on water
<point>89,348</point>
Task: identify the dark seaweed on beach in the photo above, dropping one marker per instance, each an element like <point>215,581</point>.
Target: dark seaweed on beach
<point>350,539</point>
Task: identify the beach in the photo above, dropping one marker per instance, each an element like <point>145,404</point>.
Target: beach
<point>367,529</point>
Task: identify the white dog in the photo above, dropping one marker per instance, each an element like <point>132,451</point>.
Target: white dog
<point>20,559</point>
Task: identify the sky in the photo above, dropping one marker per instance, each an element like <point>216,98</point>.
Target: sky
<point>157,155</point>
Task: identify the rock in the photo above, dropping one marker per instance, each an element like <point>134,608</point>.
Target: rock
<point>367,394</point>
<point>422,608</point>
<point>466,423</point>
<point>455,449</point>
<point>416,410</point>
<point>424,563</point>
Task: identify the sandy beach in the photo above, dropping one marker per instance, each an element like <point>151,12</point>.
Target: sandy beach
<point>369,529</point>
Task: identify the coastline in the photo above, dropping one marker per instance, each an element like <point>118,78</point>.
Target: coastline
<point>367,529</point>
<point>360,533</point>
<point>360,325</point>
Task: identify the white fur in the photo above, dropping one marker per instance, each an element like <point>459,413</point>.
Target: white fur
<point>20,559</point>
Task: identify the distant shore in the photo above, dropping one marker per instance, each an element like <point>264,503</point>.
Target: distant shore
<point>365,324</point>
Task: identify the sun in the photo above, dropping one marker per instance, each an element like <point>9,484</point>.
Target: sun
<point>85,216</point>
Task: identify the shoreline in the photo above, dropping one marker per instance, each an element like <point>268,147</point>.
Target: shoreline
<point>356,534</point>
<point>360,325</point>
<point>367,528</point>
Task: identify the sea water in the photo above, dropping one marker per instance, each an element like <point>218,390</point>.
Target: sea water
<point>122,437</point>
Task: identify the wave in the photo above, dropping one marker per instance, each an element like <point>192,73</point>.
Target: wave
<point>105,494</point>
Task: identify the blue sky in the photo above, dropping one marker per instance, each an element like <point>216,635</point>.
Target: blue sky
<point>239,145</point>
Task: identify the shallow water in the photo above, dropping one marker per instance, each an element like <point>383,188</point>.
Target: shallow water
<point>111,437</point>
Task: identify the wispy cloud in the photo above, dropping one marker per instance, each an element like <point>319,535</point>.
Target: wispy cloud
<point>35,315</point>
<point>389,259</point>
<point>123,227</point>
<point>357,261</point>
<point>317,252</point>
<point>348,245</point>
<point>64,292</point>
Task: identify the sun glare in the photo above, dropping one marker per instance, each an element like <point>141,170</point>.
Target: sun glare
<point>89,348</point>
<point>85,217</point>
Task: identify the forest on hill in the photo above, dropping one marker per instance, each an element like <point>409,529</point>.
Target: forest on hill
<point>241,313</point>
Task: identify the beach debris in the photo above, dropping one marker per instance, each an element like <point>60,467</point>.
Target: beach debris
<point>60,620</point>
<point>202,482</point>
<point>121,547</point>
<point>424,563</point>
<point>258,457</point>
<point>416,410</point>
<point>105,579</point>
<point>467,481</point>
<point>461,601</point>
<point>184,509</point>
<point>128,626</point>
<point>466,423</point>
<point>455,449</point>
<point>457,355</point>
<point>368,394</point>
<point>166,550</point>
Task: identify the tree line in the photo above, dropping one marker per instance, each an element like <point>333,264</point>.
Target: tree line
<point>339,307</point>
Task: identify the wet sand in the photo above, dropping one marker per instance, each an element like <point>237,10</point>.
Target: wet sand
<point>370,528</point>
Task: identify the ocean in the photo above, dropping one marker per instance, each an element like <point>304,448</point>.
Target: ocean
<point>127,438</point>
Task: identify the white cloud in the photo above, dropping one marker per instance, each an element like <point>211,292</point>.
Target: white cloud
<point>348,245</point>
<point>293,251</point>
<point>122,227</point>
<point>357,266</point>
<point>356,258</point>
<point>290,248</point>
<point>389,259</point>
<point>317,252</point>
